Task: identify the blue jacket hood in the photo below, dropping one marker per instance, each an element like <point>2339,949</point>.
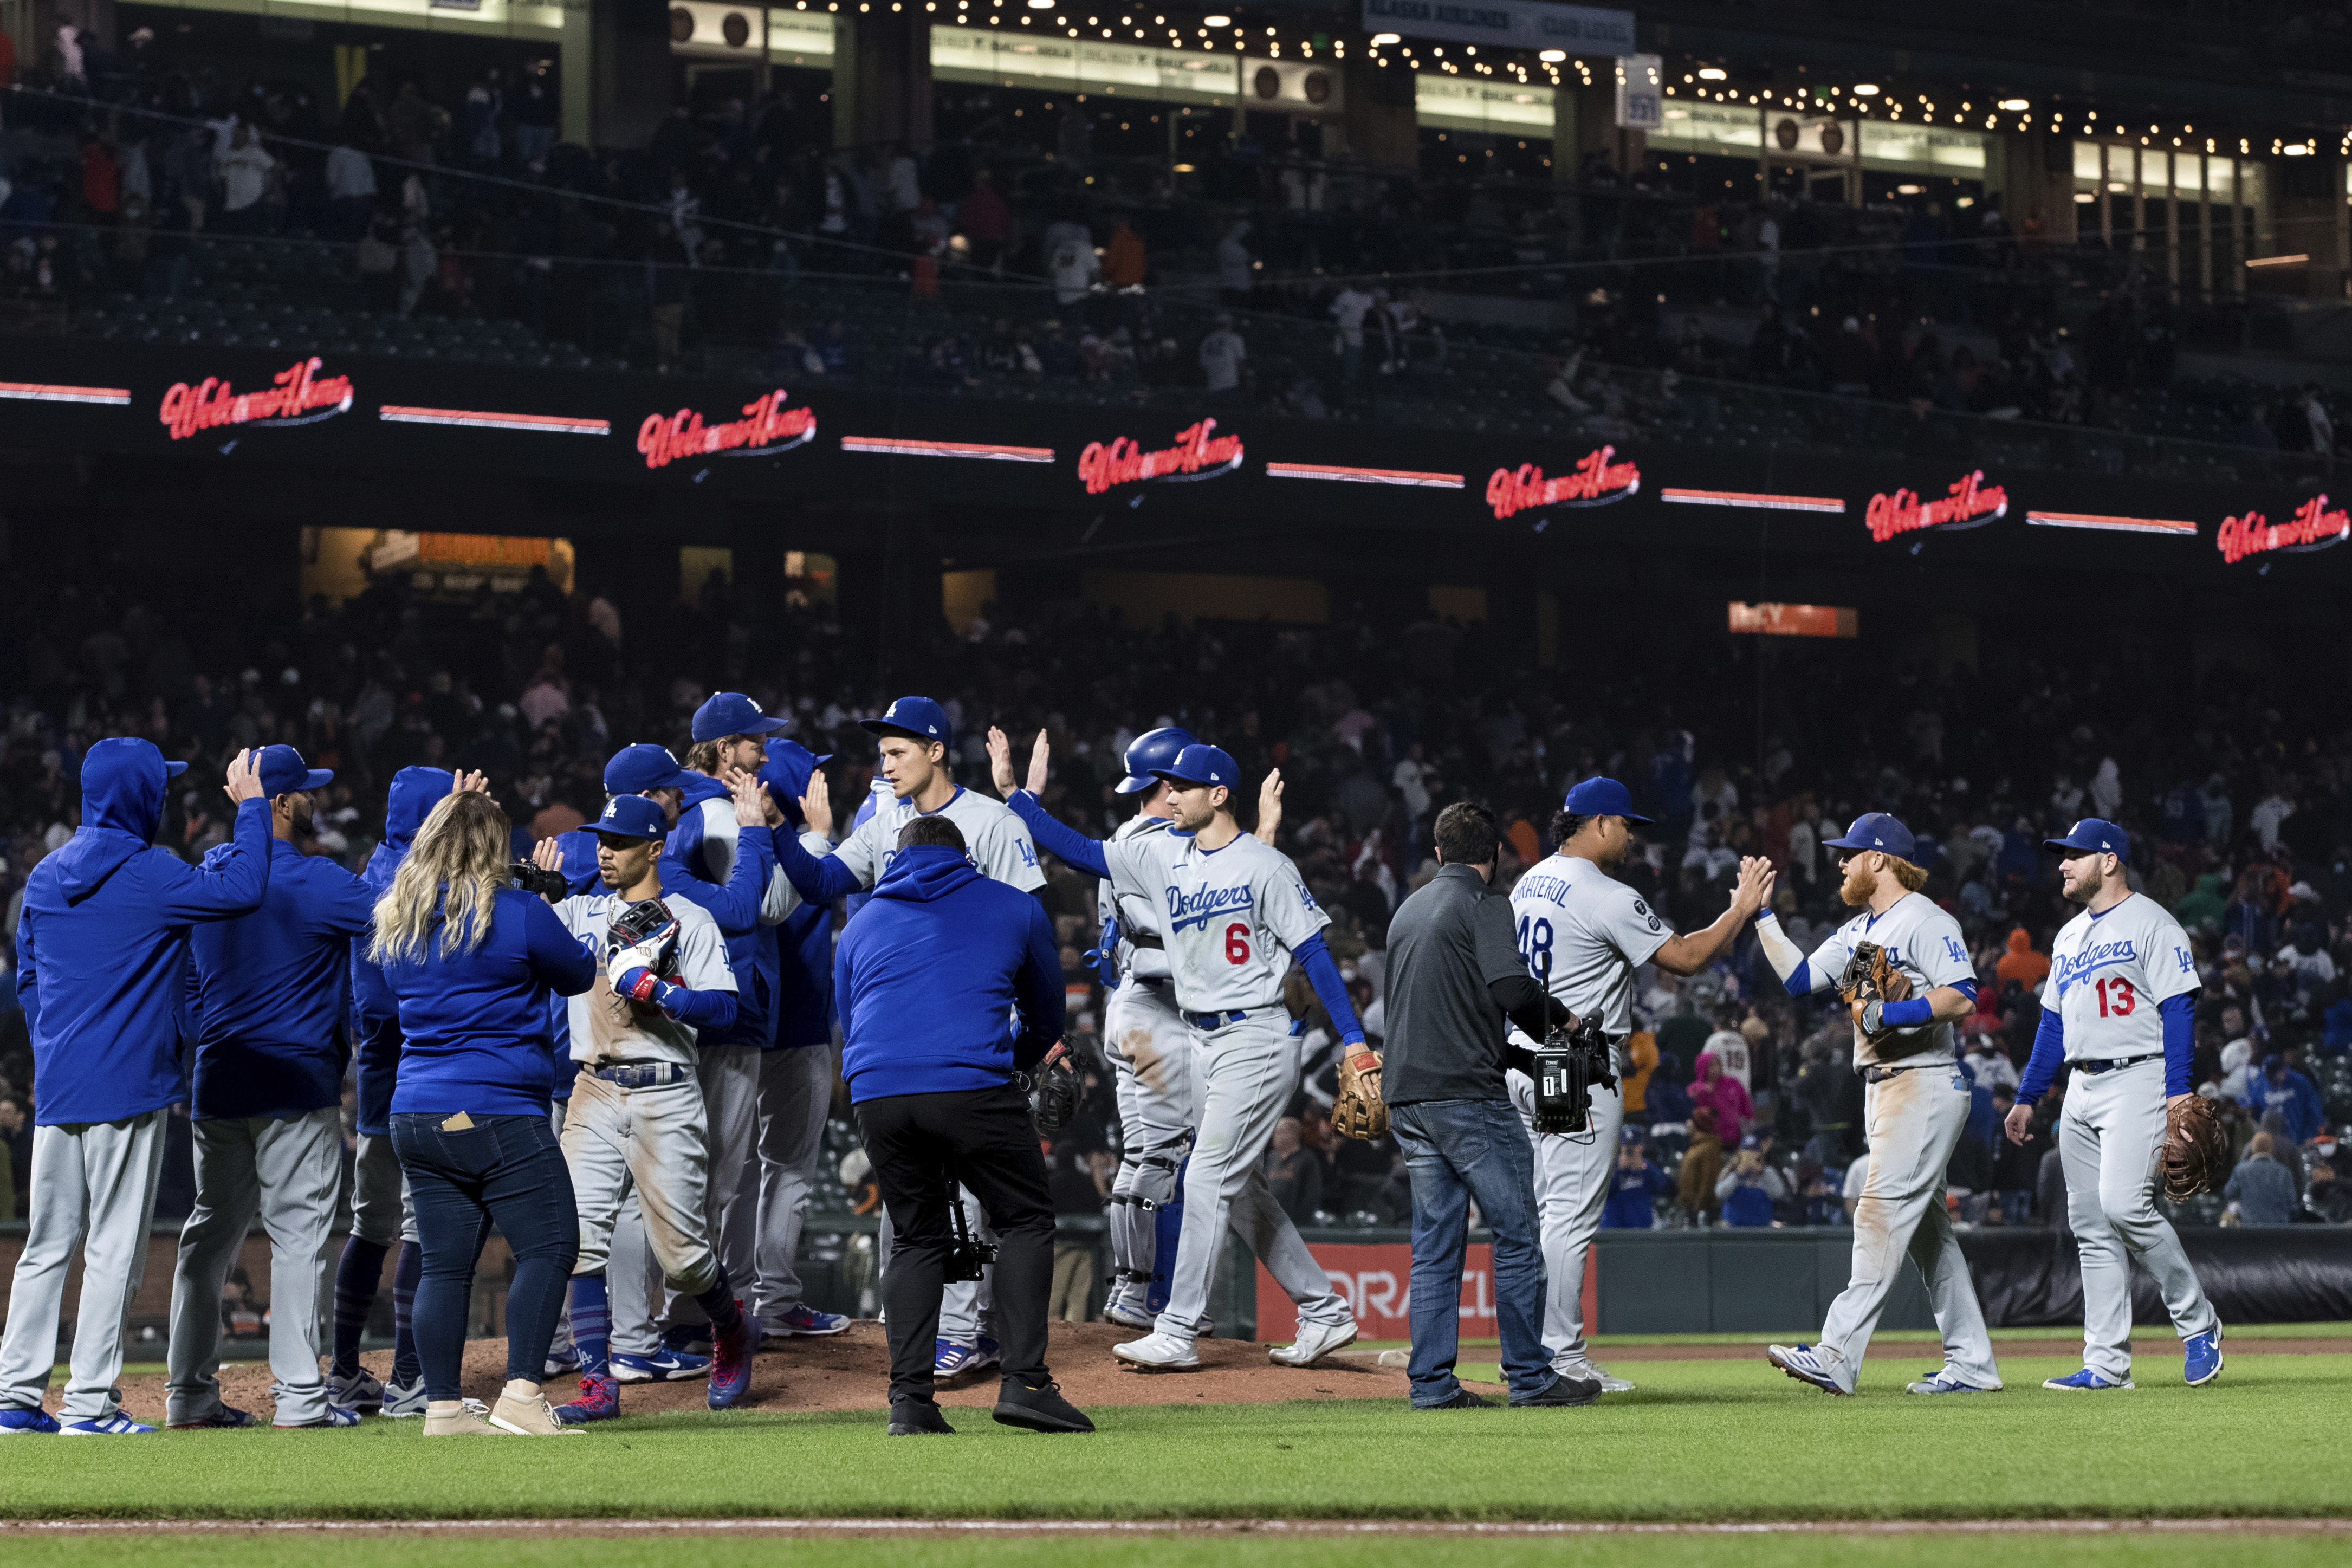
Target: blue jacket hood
<point>789,767</point>
<point>579,868</point>
<point>699,787</point>
<point>122,785</point>
<point>413,793</point>
<point>926,872</point>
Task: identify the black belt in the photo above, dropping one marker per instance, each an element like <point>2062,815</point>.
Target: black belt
<point>2096,1068</point>
<point>644,1074</point>
<point>1880,1075</point>
<point>1150,939</point>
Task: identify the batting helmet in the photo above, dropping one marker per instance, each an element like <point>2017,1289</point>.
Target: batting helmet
<point>1153,749</point>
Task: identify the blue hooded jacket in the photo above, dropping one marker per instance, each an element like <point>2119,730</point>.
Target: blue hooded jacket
<point>581,875</point>
<point>686,865</point>
<point>375,1012</point>
<point>929,973</point>
<point>797,952</point>
<point>102,951</point>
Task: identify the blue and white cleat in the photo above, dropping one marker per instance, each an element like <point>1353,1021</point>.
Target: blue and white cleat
<point>1805,1363</point>
<point>802,1323</point>
<point>115,1426</point>
<point>1944,1379</point>
<point>950,1359</point>
<point>2087,1382</point>
<point>661,1366</point>
<point>2204,1357</point>
<point>16,1418</point>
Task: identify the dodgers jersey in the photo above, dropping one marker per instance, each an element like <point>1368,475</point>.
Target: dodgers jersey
<point>1136,913</point>
<point>1922,940</point>
<point>608,1029</point>
<point>1231,918</point>
<point>2109,972</point>
<point>999,844</point>
<point>1584,933</point>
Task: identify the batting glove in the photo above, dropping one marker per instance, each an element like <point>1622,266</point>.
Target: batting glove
<point>631,977</point>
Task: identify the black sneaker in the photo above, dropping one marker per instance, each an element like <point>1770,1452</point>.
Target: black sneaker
<point>913,1417</point>
<point>1462,1400</point>
<point>1040,1409</point>
<point>1562,1391</point>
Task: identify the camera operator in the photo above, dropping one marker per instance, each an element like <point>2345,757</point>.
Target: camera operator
<point>927,976</point>
<point>1453,976</point>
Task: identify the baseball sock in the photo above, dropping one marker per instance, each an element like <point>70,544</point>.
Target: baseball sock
<point>356,1279</point>
<point>405,1368</point>
<point>717,1304</point>
<point>591,1325</point>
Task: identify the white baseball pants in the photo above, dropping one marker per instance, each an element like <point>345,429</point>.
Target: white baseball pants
<point>729,1076</point>
<point>1915,1121</point>
<point>93,1186</point>
<point>647,1142</point>
<point>1573,1171</point>
<point>383,1209</point>
<point>1246,1074</point>
<point>2110,1135</point>
<point>1151,1052</point>
<point>795,1096</point>
<point>287,1170</point>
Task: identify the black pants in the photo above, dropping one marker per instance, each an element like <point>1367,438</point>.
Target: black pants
<point>921,1146</point>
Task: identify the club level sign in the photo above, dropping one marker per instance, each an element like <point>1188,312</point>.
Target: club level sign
<point>298,394</point>
<point>766,429</point>
<point>2315,525</point>
<point>1971,503</point>
<point>1199,453</point>
<point>1596,480</point>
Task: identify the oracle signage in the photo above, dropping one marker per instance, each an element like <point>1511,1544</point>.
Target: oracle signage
<point>2315,525</point>
<point>1199,453</point>
<point>766,429</point>
<point>1971,503</point>
<point>1376,1278</point>
<point>298,394</point>
<point>1596,480</point>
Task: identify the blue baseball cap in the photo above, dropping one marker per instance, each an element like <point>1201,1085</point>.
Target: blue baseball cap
<point>634,816</point>
<point>1200,764</point>
<point>644,766</point>
<point>1876,830</point>
<point>789,768</point>
<point>283,771</point>
<point>732,713</point>
<point>1601,798</point>
<point>1148,753</point>
<point>917,716</point>
<point>2094,835</point>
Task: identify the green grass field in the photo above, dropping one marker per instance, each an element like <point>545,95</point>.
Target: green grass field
<point>1711,1441</point>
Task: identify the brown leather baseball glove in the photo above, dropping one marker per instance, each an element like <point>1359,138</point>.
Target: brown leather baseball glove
<point>1360,1111</point>
<point>1871,976</point>
<point>2196,1157</point>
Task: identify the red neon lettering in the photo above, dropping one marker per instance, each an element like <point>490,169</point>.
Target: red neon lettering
<point>1595,480</point>
<point>666,438</point>
<point>293,392</point>
<point>2314,523</point>
<point>1196,454</point>
<point>1904,512</point>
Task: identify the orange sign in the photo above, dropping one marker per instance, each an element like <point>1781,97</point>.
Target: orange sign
<point>1972,500</point>
<point>1199,454</point>
<point>1794,620</point>
<point>297,396</point>
<point>1595,482</point>
<point>2314,526</point>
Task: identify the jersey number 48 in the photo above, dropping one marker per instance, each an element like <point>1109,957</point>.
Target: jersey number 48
<point>1535,946</point>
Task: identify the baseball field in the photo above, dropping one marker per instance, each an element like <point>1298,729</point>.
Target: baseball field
<point>1714,1452</point>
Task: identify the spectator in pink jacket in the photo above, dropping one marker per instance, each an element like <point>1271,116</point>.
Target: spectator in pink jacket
<point>1733,1109</point>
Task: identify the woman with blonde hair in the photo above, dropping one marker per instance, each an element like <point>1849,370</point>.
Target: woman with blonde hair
<point>470,959</point>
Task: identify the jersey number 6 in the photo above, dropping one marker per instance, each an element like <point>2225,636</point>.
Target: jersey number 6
<point>1238,948</point>
<point>2116,998</point>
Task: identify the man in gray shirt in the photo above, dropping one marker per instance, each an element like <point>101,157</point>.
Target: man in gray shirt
<point>1454,977</point>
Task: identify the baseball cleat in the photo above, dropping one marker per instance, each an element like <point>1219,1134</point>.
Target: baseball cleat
<point>730,1364</point>
<point>1314,1340</point>
<point>802,1323</point>
<point>688,1339</point>
<point>1128,1317</point>
<point>115,1426</point>
<point>561,1363</point>
<point>336,1415</point>
<point>1944,1379</point>
<point>913,1417</point>
<point>1806,1365</point>
<point>1561,1391</point>
<point>1586,1372</point>
<point>402,1400</point>
<point>661,1366</point>
<point>218,1415</point>
<point>2203,1353</point>
<point>2087,1382</point>
<point>15,1419</point>
<point>1039,1409</point>
<point>357,1392</point>
<point>1462,1400</point>
<point>952,1358</point>
<point>1160,1353</point>
<point>600,1400</point>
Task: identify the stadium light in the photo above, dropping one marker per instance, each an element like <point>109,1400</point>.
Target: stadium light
<point>1865,89</point>
<point>1713,73</point>
<point>2015,104</point>
<point>1216,21</point>
<point>1553,57</point>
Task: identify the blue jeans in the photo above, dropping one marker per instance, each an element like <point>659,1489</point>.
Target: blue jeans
<point>508,1169</point>
<point>1457,1150</point>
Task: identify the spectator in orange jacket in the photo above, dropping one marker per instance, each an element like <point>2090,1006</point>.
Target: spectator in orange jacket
<point>2021,963</point>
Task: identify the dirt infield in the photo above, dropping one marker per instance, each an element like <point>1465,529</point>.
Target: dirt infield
<point>852,1372</point>
<point>902,1529</point>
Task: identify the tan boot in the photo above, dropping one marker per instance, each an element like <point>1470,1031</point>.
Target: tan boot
<point>457,1418</point>
<point>523,1410</point>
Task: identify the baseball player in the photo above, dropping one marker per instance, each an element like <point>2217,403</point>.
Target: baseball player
<point>636,1120</point>
<point>1235,914</point>
<point>2120,1008</point>
<point>915,739</point>
<point>1584,933</point>
<point>1916,1108</point>
<point>1143,1031</point>
<point>576,852</point>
